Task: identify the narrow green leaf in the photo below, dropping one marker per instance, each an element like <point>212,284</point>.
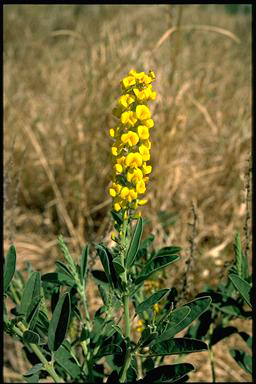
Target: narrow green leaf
<point>153,299</point>
<point>118,265</point>
<point>106,350</point>
<point>62,268</point>
<point>58,278</point>
<point>117,217</point>
<point>134,244</point>
<point>31,294</point>
<point>33,316</point>
<point>197,307</point>
<point>241,260</point>
<point>242,286</point>
<point>174,319</point>
<point>104,261</point>
<point>148,241</point>
<point>178,346</point>
<point>168,373</point>
<point>32,379</point>
<point>100,277</point>
<point>9,267</point>
<point>65,360</point>
<point>31,337</point>
<point>155,265</point>
<point>36,368</point>
<point>59,323</point>
<point>242,359</point>
<point>167,251</point>
<point>84,262</point>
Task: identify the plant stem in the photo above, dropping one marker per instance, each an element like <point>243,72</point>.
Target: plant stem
<point>212,364</point>
<point>48,366</point>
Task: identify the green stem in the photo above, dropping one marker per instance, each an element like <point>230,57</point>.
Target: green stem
<point>212,364</point>
<point>48,366</point>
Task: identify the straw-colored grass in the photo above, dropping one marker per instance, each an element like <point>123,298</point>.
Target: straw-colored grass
<point>62,66</point>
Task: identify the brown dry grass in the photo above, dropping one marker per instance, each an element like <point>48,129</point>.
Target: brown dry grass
<point>62,66</point>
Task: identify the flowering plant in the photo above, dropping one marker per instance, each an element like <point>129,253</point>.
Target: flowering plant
<point>47,305</point>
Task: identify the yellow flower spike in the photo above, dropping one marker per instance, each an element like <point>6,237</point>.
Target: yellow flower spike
<point>141,187</point>
<point>128,81</point>
<point>143,132</point>
<point>131,147</point>
<point>134,160</point>
<point>142,112</point>
<point>144,151</point>
<point>131,138</point>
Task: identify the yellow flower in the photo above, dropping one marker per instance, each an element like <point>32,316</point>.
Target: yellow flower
<point>114,151</point>
<point>128,117</point>
<point>152,75</point>
<point>144,94</point>
<point>119,168</point>
<point>114,189</point>
<point>134,160</point>
<point>140,327</point>
<point>143,132</point>
<point>124,192</point>
<point>146,169</point>
<point>130,138</point>
<point>142,112</point>
<point>128,194</point>
<point>117,207</point>
<point>144,151</point>
<point>112,132</point>
<point>149,123</point>
<point>126,100</point>
<point>156,308</point>
<point>135,176</point>
<point>128,81</point>
<point>143,201</point>
<point>140,187</point>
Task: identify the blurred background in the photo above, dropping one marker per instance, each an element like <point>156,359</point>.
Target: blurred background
<point>62,68</point>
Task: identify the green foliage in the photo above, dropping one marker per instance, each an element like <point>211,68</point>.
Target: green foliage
<point>56,349</point>
<point>9,268</point>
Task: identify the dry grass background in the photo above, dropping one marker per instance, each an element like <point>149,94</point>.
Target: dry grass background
<point>62,66</point>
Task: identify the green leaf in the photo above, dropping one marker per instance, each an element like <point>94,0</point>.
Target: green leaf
<point>31,337</point>
<point>241,260</point>
<point>104,261</point>
<point>167,251</point>
<point>117,217</point>
<point>31,294</point>
<point>153,299</point>
<point>197,307</point>
<point>9,267</point>
<point>242,359</point>
<point>36,368</point>
<point>178,346</point>
<point>148,241</point>
<point>168,373</point>
<point>65,360</point>
<point>155,265</point>
<point>33,316</point>
<point>134,244</point>
<point>174,319</point>
<point>61,268</point>
<point>118,265</point>
<point>59,323</point>
<point>106,350</point>
<point>58,278</point>
<point>242,286</point>
<point>84,262</point>
<point>100,277</point>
